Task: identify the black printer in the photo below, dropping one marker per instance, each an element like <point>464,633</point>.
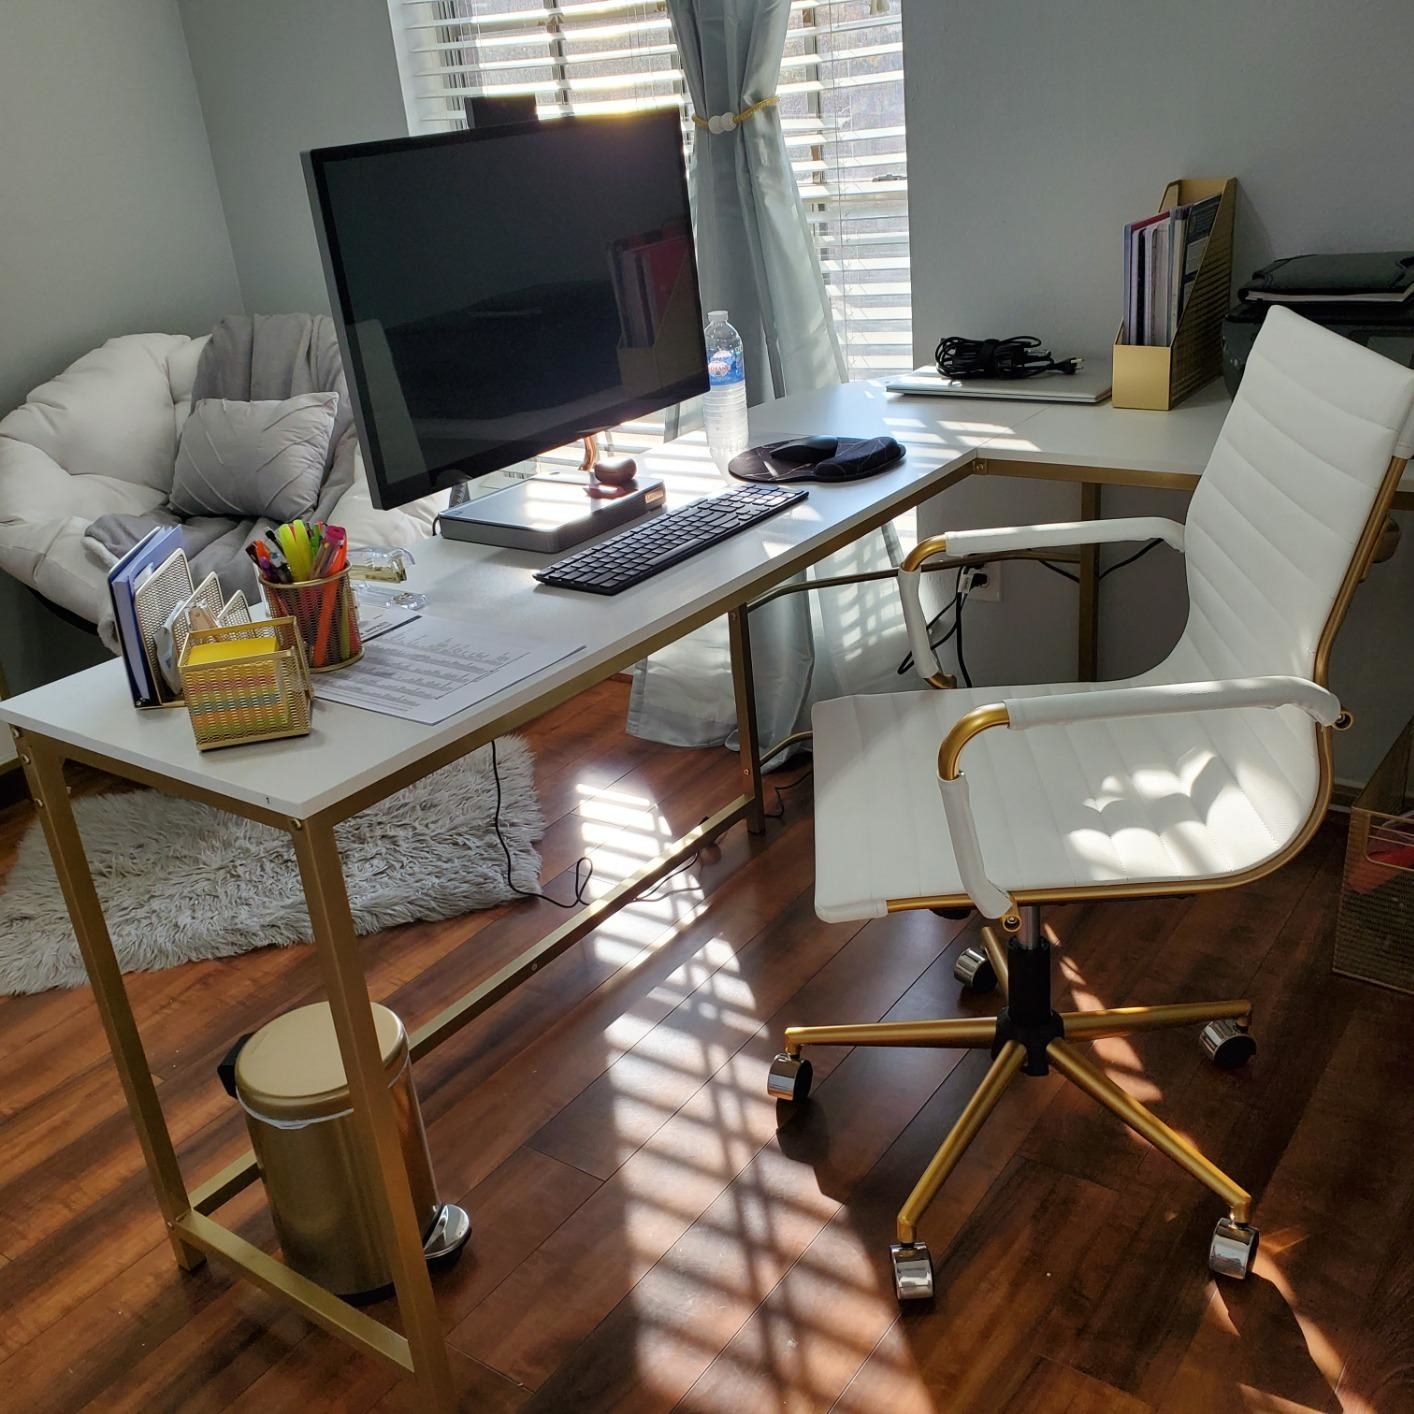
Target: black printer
<point>1366,297</point>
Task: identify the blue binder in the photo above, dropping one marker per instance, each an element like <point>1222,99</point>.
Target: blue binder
<point>123,581</point>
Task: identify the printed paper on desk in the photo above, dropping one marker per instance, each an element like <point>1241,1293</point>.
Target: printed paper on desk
<point>433,668</point>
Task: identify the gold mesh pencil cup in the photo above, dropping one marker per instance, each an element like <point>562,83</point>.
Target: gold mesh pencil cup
<point>326,614</point>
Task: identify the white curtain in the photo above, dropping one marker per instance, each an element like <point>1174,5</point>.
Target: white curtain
<point>756,259</point>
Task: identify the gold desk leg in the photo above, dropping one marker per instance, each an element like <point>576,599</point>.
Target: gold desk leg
<point>748,733</point>
<point>1095,1083</point>
<point>984,1100</point>
<point>44,769</point>
<point>1088,652</point>
<point>957,1031</point>
<point>337,945</point>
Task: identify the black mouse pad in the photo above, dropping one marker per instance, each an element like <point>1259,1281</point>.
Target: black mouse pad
<point>854,458</point>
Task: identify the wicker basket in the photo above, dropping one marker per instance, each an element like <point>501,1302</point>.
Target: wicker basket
<point>1374,938</point>
<point>256,699</point>
<point>326,612</point>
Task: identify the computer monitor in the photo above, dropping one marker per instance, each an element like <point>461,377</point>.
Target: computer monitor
<point>502,291</point>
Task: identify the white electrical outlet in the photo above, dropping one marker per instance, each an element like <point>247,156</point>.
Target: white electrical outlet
<point>991,591</point>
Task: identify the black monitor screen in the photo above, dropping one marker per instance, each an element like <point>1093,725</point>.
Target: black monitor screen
<point>505,290</point>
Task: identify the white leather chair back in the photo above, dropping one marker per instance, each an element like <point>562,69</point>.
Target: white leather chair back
<point>1290,486</point>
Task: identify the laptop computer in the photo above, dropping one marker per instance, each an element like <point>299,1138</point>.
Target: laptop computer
<point>1091,384</point>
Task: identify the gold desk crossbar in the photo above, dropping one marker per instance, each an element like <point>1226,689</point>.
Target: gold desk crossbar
<point>242,1172</point>
<point>273,1276</point>
<point>499,984</point>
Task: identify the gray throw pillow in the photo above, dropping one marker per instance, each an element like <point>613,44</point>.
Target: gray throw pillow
<point>253,459</point>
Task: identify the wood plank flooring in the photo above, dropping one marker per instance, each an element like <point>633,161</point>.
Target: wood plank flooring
<point>652,1234</point>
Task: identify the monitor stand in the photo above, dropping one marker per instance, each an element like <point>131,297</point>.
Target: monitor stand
<point>550,514</point>
<point>546,514</point>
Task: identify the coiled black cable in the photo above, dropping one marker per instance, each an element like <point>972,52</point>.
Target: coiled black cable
<point>1017,357</point>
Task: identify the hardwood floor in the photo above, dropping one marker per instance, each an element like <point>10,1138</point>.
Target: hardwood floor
<point>650,1233</point>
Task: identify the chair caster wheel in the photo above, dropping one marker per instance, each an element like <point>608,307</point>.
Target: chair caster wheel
<point>1233,1249</point>
<point>973,969</point>
<point>789,1078</point>
<point>913,1271</point>
<point>1227,1044</point>
<point>957,915</point>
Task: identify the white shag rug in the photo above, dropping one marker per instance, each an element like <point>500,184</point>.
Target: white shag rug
<point>181,881</point>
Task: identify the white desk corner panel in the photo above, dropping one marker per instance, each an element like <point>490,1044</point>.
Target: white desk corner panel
<point>1176,443</point>
<point>1126,446</point>
<point>350,750</point>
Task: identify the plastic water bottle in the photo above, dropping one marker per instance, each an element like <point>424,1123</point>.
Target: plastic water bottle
<point>724,408</point>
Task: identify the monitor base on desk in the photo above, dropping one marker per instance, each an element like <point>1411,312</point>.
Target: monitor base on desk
<point>546,514</point>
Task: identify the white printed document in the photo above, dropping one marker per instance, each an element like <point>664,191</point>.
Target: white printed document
<point>432,668</point>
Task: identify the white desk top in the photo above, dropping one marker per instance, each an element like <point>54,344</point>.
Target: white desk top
<point>348,750</point>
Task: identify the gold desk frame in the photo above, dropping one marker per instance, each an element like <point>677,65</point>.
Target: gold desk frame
<point>187,1213</point>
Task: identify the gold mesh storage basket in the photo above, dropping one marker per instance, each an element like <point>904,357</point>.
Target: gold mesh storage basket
<point>252,699</point>
<point>1374,938</point>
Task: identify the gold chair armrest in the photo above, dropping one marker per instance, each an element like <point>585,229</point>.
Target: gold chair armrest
<point>973,723</point>
<point>924,551</point>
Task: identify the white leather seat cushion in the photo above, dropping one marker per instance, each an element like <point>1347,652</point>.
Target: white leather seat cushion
<point>1159,798</point>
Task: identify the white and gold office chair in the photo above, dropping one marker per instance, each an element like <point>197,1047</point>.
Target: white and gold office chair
<point>1208,772</point>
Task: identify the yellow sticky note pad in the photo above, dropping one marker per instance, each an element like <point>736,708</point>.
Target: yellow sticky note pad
<point>230,650</point>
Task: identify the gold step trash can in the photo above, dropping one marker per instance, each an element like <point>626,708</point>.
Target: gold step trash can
<point>289,1079</point>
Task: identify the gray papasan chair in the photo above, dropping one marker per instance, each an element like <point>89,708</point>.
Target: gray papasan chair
<point>86,462</point>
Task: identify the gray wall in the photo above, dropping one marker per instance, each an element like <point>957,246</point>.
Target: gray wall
<point>1036,130</point>
<point>277,77</point>
<point>112,222</point>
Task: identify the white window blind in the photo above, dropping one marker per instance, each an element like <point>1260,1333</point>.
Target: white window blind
<point>841,107</point>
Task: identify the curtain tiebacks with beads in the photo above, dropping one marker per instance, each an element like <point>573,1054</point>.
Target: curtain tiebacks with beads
<point>725,122</point>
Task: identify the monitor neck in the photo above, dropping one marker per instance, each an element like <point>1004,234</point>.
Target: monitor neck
<point>590,441</point>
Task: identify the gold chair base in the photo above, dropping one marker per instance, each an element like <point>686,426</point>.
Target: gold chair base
<point>1063,1055</point>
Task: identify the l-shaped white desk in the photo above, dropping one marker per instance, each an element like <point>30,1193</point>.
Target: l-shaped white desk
<point>352,759</point>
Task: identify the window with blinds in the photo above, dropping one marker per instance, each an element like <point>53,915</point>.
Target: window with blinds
<point>841,93</point>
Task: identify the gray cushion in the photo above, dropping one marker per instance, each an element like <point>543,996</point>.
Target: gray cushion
<point>253,459</point>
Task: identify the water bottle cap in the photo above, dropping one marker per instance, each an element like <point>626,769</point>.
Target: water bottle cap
<point>717,316</point>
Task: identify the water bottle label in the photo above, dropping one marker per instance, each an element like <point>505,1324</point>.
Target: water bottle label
<point>724,366</point>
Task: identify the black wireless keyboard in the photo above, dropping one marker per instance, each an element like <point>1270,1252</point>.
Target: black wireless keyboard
<point>636,554</point>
